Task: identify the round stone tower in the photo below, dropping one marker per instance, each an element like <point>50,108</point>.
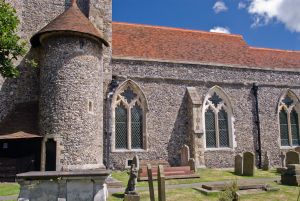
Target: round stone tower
<point>71,92</point>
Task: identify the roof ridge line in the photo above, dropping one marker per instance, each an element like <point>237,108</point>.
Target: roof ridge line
<point>179,29</point>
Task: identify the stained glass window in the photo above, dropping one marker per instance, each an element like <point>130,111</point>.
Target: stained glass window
<point>129,117</point>
<point>136,127</point>
<point>210,128</point>
<point>295,128</point>
<point>289,120</point>
<point>121,127</point>
<point>223,128</point>
<point>284,131</point>
<point>217,121</point>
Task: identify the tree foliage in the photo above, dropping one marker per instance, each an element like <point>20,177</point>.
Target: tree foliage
<point>11,45</point>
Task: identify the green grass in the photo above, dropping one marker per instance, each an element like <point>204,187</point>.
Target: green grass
<point>7,189</point>
<point>206,175</point>
<point>286,193</point>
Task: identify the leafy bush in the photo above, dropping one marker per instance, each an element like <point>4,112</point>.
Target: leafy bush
<point>230,193</point>
<point>11,46</point>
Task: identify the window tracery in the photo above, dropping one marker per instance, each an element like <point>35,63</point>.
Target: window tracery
<point>289,120</point>
<point>217,119</point>
<point>129,112</point>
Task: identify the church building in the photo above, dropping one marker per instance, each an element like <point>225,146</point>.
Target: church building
<point>106,91</point>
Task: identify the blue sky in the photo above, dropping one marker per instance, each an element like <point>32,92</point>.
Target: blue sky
<point>263,23</point>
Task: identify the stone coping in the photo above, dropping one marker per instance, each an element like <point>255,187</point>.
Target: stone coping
<point>41,175</point>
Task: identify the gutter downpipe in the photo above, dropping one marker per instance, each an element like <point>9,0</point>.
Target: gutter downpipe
<point>112,88</point>
<point>257,121</point>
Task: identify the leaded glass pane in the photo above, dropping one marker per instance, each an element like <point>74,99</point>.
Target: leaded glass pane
<point>136,127</point>
<point>284,131</point>
<point>295,128</point>
<point>223,128</point>
<point>121,127</point>
<point>210,128</point>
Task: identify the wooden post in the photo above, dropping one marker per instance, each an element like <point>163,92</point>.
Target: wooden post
<point>161,184</point>
<point>150,182</point>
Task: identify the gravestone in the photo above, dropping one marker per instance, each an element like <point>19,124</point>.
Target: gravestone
<point>282,158</point>
<point>292,175</point>
<point>248,164</point>
<point>238,164</point>
<point>150,182</point>
<point>192,164</point>
<point>292,157</point>
<point>161,184</point>
<point>297,149</point>
<point>185,155</point>
<point>266,164</point>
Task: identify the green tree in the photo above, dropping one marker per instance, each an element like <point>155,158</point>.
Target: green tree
<point>11,45</point>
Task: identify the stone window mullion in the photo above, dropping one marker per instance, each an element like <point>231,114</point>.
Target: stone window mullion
<point>289,128</point>
<point>217,129</point>
<point>129,127</point>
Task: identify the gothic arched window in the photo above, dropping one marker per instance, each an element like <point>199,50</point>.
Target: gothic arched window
<point>129,114</point>
<point>289,119</point>
<point>217,114</point>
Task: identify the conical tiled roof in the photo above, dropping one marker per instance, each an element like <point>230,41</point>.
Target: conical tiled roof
<point>72,20</point>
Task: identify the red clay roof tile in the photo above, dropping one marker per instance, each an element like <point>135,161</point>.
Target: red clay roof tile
<point>164,43</point>
<point>72,20</point>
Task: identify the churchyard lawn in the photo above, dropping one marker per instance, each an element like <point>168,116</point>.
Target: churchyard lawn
<point>206,175</point>
<point>286,193</point>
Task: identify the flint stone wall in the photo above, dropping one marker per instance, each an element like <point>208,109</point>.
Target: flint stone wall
<point>164,85</point>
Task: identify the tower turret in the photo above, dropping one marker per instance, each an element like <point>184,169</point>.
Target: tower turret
<point>71,92</point>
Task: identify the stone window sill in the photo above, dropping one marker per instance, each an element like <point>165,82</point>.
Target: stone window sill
<point>288,147</point>
<point>128,151</point>
<point>219,149</point>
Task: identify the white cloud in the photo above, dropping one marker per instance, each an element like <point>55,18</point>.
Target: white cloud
<point>284,11</point>
<point>225,30</point>
<point>220,6</point>
<point>242,5</point>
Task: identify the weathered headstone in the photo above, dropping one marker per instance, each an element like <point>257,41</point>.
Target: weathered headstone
<point>192,164</point>
<point>282,158</point>
<point>150,182</point>
<point>248,164</point>
<point>185,155</point>
<point>292,157</point>
<point>266,163</point>
<point>297,149</point>
<point>238,164</point>
<point>161,184</point>
<point>291,176</point>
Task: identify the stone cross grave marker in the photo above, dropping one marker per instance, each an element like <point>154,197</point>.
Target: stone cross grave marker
<point>248,164</point>
<point>185,155</point>
<point>150,182</point>
<point>161,184</point>
<point>238,164</point>
<point>266,163</point>
<point>292,157</point>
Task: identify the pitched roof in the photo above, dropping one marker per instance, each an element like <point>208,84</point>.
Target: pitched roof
<point>70,21</point>
<point>164,43</point>
<point>22,122</point>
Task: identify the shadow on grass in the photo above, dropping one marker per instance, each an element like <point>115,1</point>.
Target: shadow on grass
<point>118,195</point>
